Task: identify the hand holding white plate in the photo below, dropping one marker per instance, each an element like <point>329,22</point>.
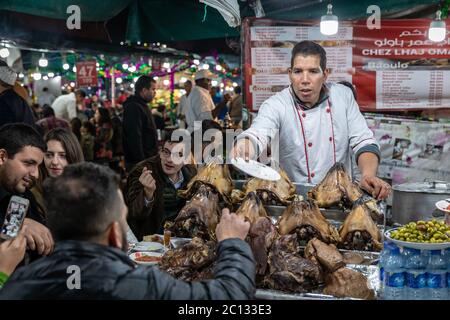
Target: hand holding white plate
<point>256,169</point>
<point>443,205</point>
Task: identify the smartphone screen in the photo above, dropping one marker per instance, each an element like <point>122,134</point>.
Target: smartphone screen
<point>15,214</point>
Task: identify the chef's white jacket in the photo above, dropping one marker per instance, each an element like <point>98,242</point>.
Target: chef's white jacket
<point>311,141</point>
<point>200,107</point>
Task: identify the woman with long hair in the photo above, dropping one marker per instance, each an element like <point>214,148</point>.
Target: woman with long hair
<point>63,149</point>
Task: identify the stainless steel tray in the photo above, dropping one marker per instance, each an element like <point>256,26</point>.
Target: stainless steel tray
<point>372,273</point>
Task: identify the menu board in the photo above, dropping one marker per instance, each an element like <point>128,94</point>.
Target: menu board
<point>393,68</point>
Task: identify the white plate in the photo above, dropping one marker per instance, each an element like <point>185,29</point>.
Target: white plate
<point>416,245</point>
<point>136,255</point>
<point>442,205</point>
<point>256,169</point>
<point>148,246</point>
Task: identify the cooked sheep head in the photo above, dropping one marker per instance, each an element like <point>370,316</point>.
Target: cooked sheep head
<point>288,270</point>
<point>359,231</point>
<point>199,217</point>
<point>251,208</point>
<point>329,191</point>
<point>261,233</point>
<point>327,255</point>
<point>305,218</point>
<point>348,283</point>
<point>270,192</point>
<point>192,261</point>
<point>213,174</point>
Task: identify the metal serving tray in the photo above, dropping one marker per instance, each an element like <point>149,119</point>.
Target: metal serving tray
<point>372,273</point>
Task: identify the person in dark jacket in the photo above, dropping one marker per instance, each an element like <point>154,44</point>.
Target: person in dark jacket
<point>140,137</point>
<point>151,191</point>
<point>13,108</point>
<point>21,152</point>
<point>88,222</point>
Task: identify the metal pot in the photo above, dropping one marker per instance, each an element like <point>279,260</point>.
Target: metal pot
<point>416,201</point>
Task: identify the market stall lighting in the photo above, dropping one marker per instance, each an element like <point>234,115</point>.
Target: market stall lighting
<point>119,80</point>
<point>125,66</point>
<point>156,78</point>
<point>135,79</point>
<point>219,67</point>
<point>183,79</point>
<point>222,85</point>
<point>4,53</point>
<point>37,76</point>
<point>132,85</point>
<point>21,75</point>
<point>51,75</point>
<point>214,83</point>
<point>43,62</point>
<point>205,66</point>
<point>72,84</point>
<point>166,82</point>
<point>97,64</point>
<point>235,84</point>
<point>166,65</point>
<point>74,69</point>
<point>45,78</point>
<point>66,66</point>
<point>196,62</point>
<point>438,29</point>
<point>329,23</point>
<point>132,69</point>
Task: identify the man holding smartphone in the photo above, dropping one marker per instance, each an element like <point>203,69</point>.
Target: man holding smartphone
<point>21,151</point>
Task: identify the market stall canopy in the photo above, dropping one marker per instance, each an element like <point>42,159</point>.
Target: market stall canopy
<point>189,25</point>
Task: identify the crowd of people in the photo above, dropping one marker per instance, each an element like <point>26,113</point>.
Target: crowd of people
<point>83,214</point>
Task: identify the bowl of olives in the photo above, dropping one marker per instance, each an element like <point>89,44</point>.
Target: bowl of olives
<point>427,235</point>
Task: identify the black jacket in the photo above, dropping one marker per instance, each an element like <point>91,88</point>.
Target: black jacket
<point>140,138</point>
<point>146,220</point>
<point>107,273</point>
<point>13,108</point>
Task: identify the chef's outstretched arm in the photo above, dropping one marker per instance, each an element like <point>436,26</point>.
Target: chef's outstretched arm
<point>368,164</point>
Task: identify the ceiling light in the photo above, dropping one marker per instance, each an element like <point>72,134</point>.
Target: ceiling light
<point>438,30</point>
<point>329,23</point>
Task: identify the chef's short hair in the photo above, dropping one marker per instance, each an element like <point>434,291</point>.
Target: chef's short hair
<point>310,48</point>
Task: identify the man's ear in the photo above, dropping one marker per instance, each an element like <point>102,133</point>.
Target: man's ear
<point>3,156</point>
<point>325,74</point>
<point>115,235</point>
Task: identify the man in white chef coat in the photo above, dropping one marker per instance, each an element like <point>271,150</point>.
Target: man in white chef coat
<point>316,124</point>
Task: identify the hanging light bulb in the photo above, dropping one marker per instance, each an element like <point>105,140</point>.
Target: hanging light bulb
<point>196,61</point>
<point>166,65</point>
<point>21,75</point>
<point>438,30</point>
<point>155,78</point>
<point>51,75</point>
<point>125,66</point>
<point>132,85</point>
<point>329,23</point>
<point>183,79</point>
<point>74,69</point>
<point>214,83</point>
<point>132,69</point>
<point>119,80</point>
<point>45,78</point>
<point>37,76</point>
<point>219,67</point>
<point>43,62</point>
<point>72,84</point>
<point>4,53</point>
<point>205,66</point>
<point>66,66</point>
<point>166,82</point>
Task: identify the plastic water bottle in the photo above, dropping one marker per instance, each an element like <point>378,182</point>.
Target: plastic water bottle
<point>437,276</point>
<point>447,254</point>
<point>382,262</point>
<point>394,275</point>
<point>416,274</point>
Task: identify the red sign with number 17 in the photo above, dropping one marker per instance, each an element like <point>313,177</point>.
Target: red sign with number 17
<point>87,74</point>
